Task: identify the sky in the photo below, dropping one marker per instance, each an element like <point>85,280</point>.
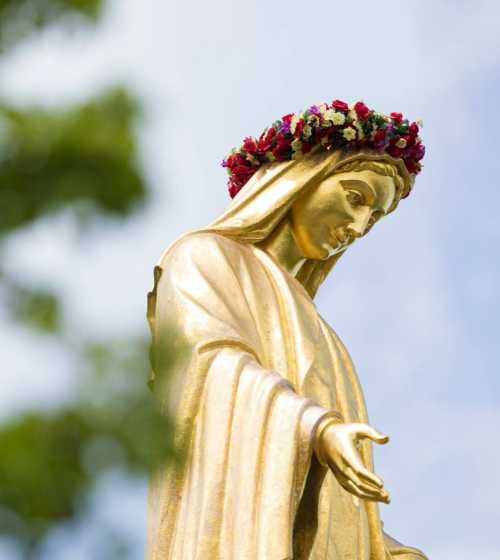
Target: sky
<point>416,302</point>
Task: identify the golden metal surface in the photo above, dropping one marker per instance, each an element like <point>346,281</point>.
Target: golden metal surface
<point>267,402</point>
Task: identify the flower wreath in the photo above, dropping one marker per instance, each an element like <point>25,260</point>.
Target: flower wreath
<point>333,126</point>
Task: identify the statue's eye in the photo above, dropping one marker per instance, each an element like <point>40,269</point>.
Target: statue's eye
<point>354,198</point>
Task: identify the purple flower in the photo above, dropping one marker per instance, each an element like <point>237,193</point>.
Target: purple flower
<point>285,126</point>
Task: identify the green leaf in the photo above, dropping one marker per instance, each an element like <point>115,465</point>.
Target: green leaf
<point>51,159</point>
<point>21,18</point>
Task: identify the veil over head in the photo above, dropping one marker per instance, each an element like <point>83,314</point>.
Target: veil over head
<point>264,201</point>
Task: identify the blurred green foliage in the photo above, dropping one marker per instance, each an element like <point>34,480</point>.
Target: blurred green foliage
<point>82,157</point>
<point>50,159</point>
<point>21,18</point>
<point>36,307</point>
<point>51,460</point>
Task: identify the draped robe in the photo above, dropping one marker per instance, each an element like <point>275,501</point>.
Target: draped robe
<point>258,370</point>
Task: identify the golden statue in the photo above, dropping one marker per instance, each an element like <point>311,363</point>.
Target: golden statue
<point>268,407</point>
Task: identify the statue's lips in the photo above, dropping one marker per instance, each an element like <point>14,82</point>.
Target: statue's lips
<point>340,239</point>
<point>341,236</point>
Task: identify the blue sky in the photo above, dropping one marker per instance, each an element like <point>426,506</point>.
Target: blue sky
<point>416,302</point>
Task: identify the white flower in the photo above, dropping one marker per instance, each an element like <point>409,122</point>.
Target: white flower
<point>401,143</point>
<point>349,133</point>
<point>293,123</point>
<point>338,119</point>
<point>359,128</point>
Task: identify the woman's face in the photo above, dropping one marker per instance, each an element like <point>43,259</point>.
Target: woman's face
<point>326,219</point>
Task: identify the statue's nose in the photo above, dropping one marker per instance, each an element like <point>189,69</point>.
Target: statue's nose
<point>358,226</point>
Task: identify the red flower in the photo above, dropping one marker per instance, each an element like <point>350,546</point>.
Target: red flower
<point>299,128</point>
<point>412,166</point>
<point>413,128</point>
<point>277,139</point>
<point>362,110</point>
<point>379,136</point>
<point>234,160</point>
<point>281,150</point>
<point>397,117</point>
<point>410,140</point>
<point>340,105</point>
<point>242,172</point>
<point>394,151</point>
<point>266,140</point>
<point>418,151</point>
<point>233,189</point>
<point>249,145</point>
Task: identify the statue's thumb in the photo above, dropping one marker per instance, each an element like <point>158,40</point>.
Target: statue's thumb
<point>376,436</point>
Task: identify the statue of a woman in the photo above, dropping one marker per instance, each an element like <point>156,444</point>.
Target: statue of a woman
<point>268,407</point>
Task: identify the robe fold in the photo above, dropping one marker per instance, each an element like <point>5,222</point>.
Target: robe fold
<point>259,368</point>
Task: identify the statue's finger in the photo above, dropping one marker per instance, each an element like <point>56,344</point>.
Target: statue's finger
<point>365,485</point>
<point>342,479</point>
<point>353,461</point>
<point>365,430</point>
<point>366,495</point>
<point>369,476</point>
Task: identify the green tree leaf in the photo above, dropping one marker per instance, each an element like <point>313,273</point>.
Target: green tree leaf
<point>51,159</point>
<point>21,18</point>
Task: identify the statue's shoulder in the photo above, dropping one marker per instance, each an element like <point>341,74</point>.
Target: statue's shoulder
<point>201,245</point>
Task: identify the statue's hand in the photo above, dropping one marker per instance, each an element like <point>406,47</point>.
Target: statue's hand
<point>338,448</point>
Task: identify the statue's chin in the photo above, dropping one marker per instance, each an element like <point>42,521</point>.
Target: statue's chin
<point>330,250</point>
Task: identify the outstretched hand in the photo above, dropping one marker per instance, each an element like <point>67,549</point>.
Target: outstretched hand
<point>338,446</point>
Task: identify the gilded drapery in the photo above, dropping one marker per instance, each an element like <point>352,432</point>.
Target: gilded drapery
<point>260,370</point>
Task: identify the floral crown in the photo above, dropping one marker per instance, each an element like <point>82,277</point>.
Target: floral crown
<point>333,126</point>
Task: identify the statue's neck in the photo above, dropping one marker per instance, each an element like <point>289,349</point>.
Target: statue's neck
<point>282,245</point>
